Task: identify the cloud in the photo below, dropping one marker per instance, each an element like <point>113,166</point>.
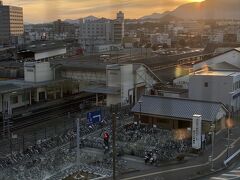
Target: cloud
<point>48,10</point>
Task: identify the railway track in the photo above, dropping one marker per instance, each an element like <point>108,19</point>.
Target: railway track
<point>47,114</point>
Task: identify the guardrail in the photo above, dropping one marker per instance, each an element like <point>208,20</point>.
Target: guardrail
<point>231,157</point>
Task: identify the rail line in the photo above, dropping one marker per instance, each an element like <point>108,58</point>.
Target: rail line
<point>48,113</point>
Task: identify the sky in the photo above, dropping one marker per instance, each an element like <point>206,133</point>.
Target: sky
<point>38,11</point>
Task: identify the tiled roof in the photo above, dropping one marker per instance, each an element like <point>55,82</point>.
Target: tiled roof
<point>178,108</point>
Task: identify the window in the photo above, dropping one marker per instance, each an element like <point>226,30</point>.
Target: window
<point>14,99</point>
<point>206,84</point>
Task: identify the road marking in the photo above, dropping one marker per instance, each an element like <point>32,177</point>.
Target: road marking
<point>231,175</point>
<point>235,171</point>
<point>166,171</point>
<point>218,178</point>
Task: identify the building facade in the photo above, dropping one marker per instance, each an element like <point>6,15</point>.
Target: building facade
<point>118,28</point>
<point>93,33</point>
<point>219,86</point>
<point>11,24</point>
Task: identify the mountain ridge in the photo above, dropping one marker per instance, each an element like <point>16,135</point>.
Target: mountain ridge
<point>208,9</point>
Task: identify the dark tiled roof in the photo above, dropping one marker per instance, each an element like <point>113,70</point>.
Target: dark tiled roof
<point>178,108</point>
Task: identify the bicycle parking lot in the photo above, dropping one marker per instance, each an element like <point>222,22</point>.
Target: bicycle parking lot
<point>53,155</point>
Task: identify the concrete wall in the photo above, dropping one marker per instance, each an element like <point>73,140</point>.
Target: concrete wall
<point>84,75</point>
<point>38,72</point>
<point>183,82</point>
<point>122,77</point>
<point>130,80</point>
<point>113,77</point>
<point>50,53</point>
<point>219,88</point>
<point>127,82</point>
<point>113,99</point>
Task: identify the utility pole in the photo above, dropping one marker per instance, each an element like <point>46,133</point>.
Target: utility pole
<point>11,146</point>
<point>212,133</point>
<point>130,53</point>
<point>228,143</point>
<point>78,136</point>
<point>23,143</point>
<point>114,144</point>
<point>146,52</point>
<point>140,112</point>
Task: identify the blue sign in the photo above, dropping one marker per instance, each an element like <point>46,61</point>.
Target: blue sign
<point>94,117</point>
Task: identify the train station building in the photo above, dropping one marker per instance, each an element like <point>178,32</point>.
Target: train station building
<point>119,84</point>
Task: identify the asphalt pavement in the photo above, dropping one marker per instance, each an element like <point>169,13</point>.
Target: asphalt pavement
<point>194,167</point>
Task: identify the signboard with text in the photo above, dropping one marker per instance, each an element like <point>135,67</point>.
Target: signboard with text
<point>94,117</point>
<point>196,131</point>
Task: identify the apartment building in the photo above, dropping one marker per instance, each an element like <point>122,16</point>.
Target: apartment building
<point>101,31</point>
<point>11,24</point>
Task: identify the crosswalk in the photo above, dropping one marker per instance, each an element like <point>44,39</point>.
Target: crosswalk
<point>233,174</point>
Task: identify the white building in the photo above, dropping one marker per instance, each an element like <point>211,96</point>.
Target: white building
<point>216,79</point>
<point>37,72</point>
<point>95,32</point>
<point>160,38</point>
<point>38,85</point>
<point>121,83</point>
<point>101,31</point>
<point>216,37</point>
<point>218,86</point>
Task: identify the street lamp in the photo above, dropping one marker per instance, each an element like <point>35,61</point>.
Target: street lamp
<point>140,112</point>
<point>229,124</point>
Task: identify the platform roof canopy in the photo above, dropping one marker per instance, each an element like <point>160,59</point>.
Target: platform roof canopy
<point>178,108</point>
<point>6,88</point>
<point>14,85</point>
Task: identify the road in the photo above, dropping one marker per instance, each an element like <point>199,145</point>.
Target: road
<point>233,172</point>
<point>193,168</point>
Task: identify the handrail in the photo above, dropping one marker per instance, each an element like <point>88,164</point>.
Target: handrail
<point>231,157</point>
